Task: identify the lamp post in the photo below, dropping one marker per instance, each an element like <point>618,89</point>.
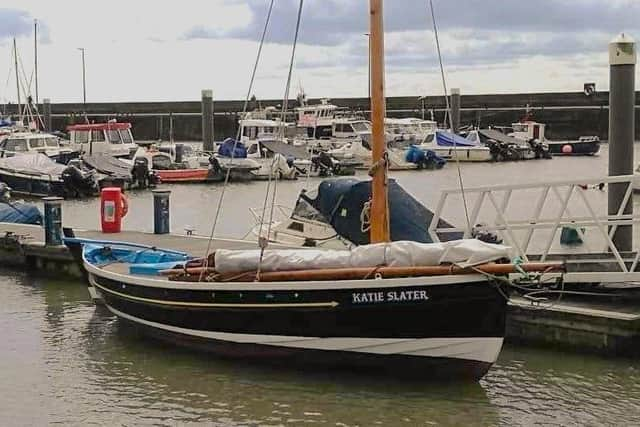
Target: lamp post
<point>422,104</point>
<point>84,84</point>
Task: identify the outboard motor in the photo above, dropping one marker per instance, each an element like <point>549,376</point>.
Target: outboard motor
<point>78,183</point>
<point>215,164</point>
<point>5,193</point>
<point>141,173</point>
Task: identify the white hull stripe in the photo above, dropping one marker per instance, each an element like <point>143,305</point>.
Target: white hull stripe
<point>481,349</point>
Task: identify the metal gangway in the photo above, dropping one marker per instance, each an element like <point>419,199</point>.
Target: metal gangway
<point>530,218</point>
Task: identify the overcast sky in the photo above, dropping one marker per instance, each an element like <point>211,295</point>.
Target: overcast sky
<point>140,50</point>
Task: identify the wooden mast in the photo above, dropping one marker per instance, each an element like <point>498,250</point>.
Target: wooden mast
<point>379,211</point>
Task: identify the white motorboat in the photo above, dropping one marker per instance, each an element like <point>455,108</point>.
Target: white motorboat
<point>20,143</point>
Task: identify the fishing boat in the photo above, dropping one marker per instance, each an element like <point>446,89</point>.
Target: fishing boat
<point>112,138</point>
<point>530,130</point>
<point>404,309</point>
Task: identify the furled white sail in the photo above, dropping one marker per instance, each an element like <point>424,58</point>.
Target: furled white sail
<point>466,252</point>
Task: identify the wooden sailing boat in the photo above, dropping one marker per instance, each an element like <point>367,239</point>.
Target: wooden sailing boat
<point>297,308</point>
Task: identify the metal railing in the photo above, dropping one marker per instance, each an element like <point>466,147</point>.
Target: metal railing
<point>558,204</point>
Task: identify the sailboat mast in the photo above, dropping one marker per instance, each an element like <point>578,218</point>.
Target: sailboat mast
<point>35,55</point>
<point>15,57</point>
<point>379,210</point>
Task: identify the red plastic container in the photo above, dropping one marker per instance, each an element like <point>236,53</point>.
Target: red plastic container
<point>113,207</point>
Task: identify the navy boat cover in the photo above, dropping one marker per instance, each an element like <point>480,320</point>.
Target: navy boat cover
<point>20,213</point>
<point>226,149</point>
<point>340,200</point>
<point>448,139</point>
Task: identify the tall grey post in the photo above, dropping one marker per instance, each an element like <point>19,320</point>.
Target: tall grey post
<point>207,120</point>
<point>46,112</point>
<point>622,62</point>
<point>455,110</point>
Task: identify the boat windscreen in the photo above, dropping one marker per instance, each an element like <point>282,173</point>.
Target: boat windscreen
<point>114,136</point>
<point>126,136</point>
<point>305,210</point>
<point>361,126</point>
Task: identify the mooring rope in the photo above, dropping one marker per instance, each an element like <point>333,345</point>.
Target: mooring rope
<point>244,111</point>
<point>448,110</point>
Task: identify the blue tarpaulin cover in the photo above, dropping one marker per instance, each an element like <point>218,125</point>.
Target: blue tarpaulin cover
<point>448,139</point>
<point>417,155</point>
<point>20,213</point>
<point>340,200</point>
<point>226,149</point>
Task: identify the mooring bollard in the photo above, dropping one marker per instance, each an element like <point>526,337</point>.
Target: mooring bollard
<point>179,152</point>
<point>622,63</point>
<point>52,221</point>
<point>46,112</point>
<point>161,224</point>
<point>455,110</point>
<point>207,120</point>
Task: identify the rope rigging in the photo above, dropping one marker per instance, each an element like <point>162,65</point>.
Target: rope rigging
<point>448,110</point>
<point>244,111</point>
<point>285,103</point>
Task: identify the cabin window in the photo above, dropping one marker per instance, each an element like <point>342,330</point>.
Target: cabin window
<point>520,128</point>
<point>126,136</point>
<point>16,145</point>
<point>37,143</point>
<point>97,136</point>
<point>81,137</point>
<point>114,136</point>
<point>323,132</point>
<point>253,149</point>
<point>296,226</point>
<point>51,142</point>
<point>430,137</point>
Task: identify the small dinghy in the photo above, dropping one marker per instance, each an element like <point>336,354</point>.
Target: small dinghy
<point>17,212</point>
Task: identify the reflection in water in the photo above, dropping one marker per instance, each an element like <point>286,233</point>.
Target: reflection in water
<point>67,361</point>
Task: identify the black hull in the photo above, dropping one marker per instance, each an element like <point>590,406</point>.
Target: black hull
<point>407,368</point>
<point>578,148</point>
<point>33,186</point>
<point>337,328</point>
<point>461,310</point>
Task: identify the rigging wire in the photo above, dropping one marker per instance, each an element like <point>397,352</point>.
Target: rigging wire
<point>448,109</point>
<point>244,110</point>
<point>285,104</point>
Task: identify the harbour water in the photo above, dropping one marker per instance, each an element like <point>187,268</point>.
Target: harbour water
<point>65,361</point>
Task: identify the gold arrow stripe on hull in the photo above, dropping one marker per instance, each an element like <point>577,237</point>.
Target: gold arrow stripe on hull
<point>331,304</point>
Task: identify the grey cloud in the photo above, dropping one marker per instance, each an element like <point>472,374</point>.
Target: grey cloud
<point>329,22</point>
<point>15,23</point>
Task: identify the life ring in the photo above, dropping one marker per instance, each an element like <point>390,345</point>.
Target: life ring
<point>125,205</point>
